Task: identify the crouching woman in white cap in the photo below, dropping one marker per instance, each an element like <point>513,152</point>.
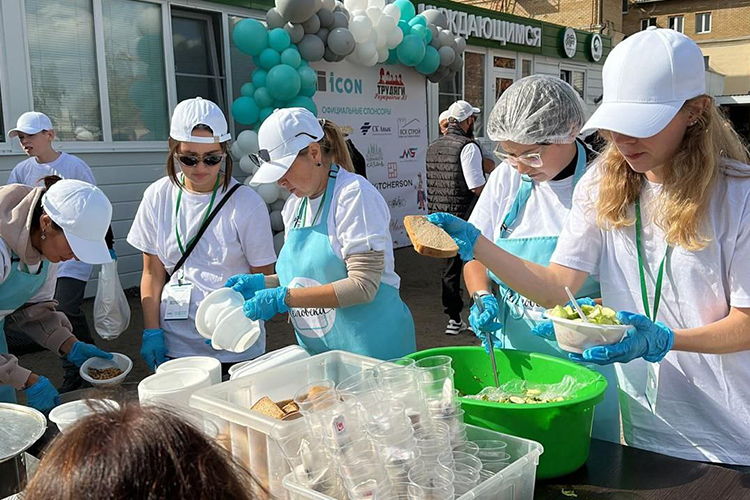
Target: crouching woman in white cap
<point>336,273</point>
<point>64,220</point>
<point>181,265</point>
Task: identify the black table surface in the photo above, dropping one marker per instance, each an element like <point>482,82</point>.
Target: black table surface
<point>616,472</point>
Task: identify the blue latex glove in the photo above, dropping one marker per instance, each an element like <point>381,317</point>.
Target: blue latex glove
<point>266,304</point>
<point>485,323</point>
<point>152,347</point>
<point>82,351</point>
<point>113,254</point>
<point>42,395</point>
<point>647,339</point>
<point>546,329</point>
<point>463,233</point>
<point>247,284</point>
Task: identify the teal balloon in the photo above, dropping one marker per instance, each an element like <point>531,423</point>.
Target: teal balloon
<point>303,63</point>
<point>259,78</point>
<point>248,90</point>
<point>250,36</point>
<point>418,20</point>
<point>411,50</point>
<point>263,97</point>
<point>303,102</point>
<point>279,104</point>
<point>407,9</point>
<point>283,82</point>
<point>416,30</point>
<point>430,62</point>
<point>308,77</point>
<point>307,92</point>
<point>428,36</point>
<point>404,27</point>
<point>265,113</point>
<point>291,57</point>
<point>269,58</point>
<point>392,57</point>
<point>279,40</point>
<point>245,110</point>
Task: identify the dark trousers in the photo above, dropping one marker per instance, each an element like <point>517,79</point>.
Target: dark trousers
<point>69,295</point>
<point>453,304</point>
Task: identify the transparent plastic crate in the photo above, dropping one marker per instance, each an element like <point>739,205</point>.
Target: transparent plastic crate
<point>515,482</point>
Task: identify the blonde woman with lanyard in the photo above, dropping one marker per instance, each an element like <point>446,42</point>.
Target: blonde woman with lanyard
<point>663,220</point>
<point>336,273</point>
<point>523,208</point>
<point>168,223</point>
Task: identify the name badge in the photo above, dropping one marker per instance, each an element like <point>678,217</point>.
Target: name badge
<point>178,301</point>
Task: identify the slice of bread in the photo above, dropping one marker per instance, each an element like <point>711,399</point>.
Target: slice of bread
<point>268,408</point>
<point>429,239</point>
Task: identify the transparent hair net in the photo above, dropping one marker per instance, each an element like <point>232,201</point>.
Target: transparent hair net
<point>535,110</point>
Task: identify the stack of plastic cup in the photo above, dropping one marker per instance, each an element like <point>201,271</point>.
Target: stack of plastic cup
<point>437,382</point>
<point>493,455</point>
<point>466,470</point>
<point>432,441</point>
<point>402,491</point>
<point>393,435</point>
<point>401,381</point>
<point>436,481</point>
<point>364,479</point>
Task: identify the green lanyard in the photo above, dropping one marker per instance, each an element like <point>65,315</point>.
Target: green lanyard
<point>659,277</point>
<point>302,212</point>
<point>205,216</point>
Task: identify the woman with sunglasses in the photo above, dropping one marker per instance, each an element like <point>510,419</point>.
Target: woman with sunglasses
<point>523,208</point>
<point>237,240</point>
<point>336,273</point>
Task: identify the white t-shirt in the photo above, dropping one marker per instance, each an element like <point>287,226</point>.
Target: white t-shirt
<point>239,237</point>
<point>358,221</point>
<point>471,165</point>
<point>30,172</point>
<point>47,290</point>
<point>703,402</point>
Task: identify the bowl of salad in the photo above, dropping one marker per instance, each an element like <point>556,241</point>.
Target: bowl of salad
<point>574,335</point>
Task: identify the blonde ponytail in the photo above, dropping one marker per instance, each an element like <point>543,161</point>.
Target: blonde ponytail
<point>334,145</point>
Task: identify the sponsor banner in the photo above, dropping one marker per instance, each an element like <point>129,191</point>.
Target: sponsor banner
<point>384,110</point>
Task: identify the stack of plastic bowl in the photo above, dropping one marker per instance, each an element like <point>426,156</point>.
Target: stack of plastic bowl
<point>211,365</point>
<point>67,414</point>
<point>221,319</point>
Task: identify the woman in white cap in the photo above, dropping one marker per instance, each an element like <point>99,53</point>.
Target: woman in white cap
<point>167,228</point>
<point>663,221</point>
<point>336,273</point>
<point>523,209</point>
<point>61,221</point>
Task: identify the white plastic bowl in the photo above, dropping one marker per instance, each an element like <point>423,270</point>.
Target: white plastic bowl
<point>577,336</point>
<point>118,360</point>
<point>68,414</point>
<point>172,387</point>
<point>235,332</point>
<point>214,308</point>
<point>211,365</point>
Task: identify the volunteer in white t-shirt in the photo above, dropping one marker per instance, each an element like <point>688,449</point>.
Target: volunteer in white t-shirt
<point>663,221</point>
<point>238,239</point>
<point>36,133</point>
<point>336,273</point>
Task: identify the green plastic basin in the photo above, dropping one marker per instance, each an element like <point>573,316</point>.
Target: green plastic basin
<point>563,428</point>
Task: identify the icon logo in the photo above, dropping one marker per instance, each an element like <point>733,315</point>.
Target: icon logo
<point>374,156</point>
<point>390,86</point>
<point>329,82</point>
<point>409,128</point>
<point>409,154</point>
<point>368,127</point>
<point>392,170</point>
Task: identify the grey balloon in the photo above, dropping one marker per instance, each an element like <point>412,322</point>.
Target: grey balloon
<point>323,34</point>
<point>326,18</point>
<point>328,5</point>
<point>339,6</point>
<point>297,11</point>
<point>329,55</point>
<point>460,44</point>
<point>434,78</point>
<point>274,19</point>
<point>311,48</point>
<point>447,56</point>
<point>340,20</point>
<point>312,25</point>
<point>457,64</point>
<point>446,37</point>
<point>435,42</point>
<point>296,32</point>
<point>435,17</point>
<point>341,42</point>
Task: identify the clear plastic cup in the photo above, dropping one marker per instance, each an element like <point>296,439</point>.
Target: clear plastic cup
<point>353,451</point>
<point>389,418</point>
<point>445,405</point>
<point>434,362</point>
<point>363,479</point>
<point>489,446</point>
<point>454,421</point>
<point>400,463</point>
<point>402,490</point>
<point>466,447</point>
<point>364,381</point>
<point>496,464</point>
<point>436,482</point>
<point>339,418</point>
<point>305,452</point>
<point>314,391</point>
<point>393,364</point>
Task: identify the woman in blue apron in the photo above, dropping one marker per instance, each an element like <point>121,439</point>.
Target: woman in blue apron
<point>523,208</point>
<point>336,273</point>
<point>61,221</point>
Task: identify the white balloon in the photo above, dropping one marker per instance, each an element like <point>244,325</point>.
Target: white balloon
<point>278,242</point>
<point>361,27</point>
<point>248,141</point>
<point>248,180</point>
<point>393,11</point>
<point>394,38</point>
<point>380,4</point>
<point>382,54</point>
<point>329,4</point>
<point>373,37</point>
<point>352,58</point>
<point>246,165</point>
<point>284,194</point>
<point>374,13</point>
<point>387,24</point>
<point>373,60</point>
<point>357,13</point>
<point>381,39</point>
<point>365,51</point>
<point>353,5</point>
<point>236,152</point>
<point>278,204</point>
<point>269,192</point>
<point>277,222</point>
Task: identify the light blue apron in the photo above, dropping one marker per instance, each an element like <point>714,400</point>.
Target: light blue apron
<point>15,291</point>
<point>517,320</point>
<point>382,329</point>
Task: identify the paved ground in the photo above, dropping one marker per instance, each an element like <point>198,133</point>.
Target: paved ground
<point>420,289</point>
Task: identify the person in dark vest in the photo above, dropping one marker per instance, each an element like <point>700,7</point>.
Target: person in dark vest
<point>454,181</point>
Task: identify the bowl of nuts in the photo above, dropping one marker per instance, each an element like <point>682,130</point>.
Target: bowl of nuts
<point>104,373</point>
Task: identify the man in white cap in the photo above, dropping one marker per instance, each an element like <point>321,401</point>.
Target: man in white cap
<point>455,179</point>
<point>36,133</point>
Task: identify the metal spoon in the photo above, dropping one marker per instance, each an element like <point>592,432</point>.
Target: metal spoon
<point>577,307</point>
<point>480,305</point>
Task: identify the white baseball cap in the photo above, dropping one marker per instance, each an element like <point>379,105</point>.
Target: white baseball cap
<point>461,110</point>
<point>198,111</point>
<point>84,214</point>
<point>31,122</point>
<point>647,78</point>
<point>281,137</point>
<point>444,116</point>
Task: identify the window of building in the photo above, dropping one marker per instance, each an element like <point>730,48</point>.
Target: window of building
<point>645,23</point>
<point>705,62</point>
<point>676,23</point>
<point>64,77</point>
<point>450,90</point>
<point>136,79</point>
<point>703,22</point>
<point>504,62</point>
<point>625,6</point>
<point>474,86</point>
<point>576,79</point>
<point>526,68</point>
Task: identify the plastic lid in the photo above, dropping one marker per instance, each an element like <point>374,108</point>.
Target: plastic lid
<point>22,427</point>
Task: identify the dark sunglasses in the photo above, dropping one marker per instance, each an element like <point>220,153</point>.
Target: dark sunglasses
<point>191,161</point>
<point>264,155</point>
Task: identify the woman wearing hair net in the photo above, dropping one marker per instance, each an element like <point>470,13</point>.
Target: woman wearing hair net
<point>523,208</point>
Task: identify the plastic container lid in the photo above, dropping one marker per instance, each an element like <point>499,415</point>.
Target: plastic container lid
<point>118,360</point>
<point>68,414</point>
<point>21,427</point>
